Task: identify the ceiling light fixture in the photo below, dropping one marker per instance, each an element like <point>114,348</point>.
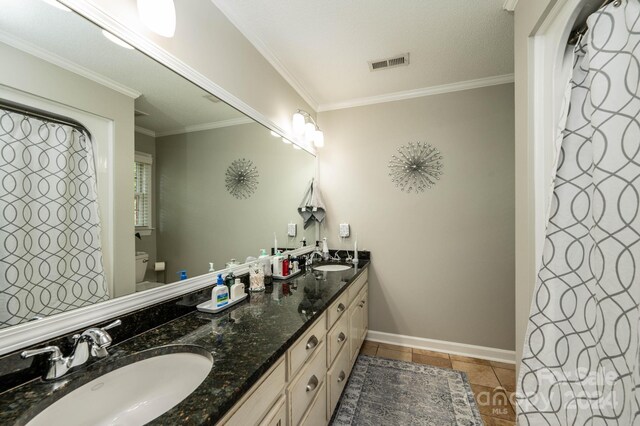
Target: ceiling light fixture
<point>306,128</point>
<point>116,40</point>
<point>57,5</point>
<point>159,16</point>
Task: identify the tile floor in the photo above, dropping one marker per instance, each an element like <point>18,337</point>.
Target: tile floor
<point>493,383</point>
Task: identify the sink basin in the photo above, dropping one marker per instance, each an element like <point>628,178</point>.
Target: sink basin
<point>130,395</point>
<point>332,268</point>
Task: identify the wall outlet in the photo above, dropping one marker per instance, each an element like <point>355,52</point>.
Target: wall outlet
<point>292,230</point>
<point>344,230</point>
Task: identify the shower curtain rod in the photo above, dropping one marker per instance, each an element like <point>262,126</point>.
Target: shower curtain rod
<point>582,29</point>
<point>42,115</point>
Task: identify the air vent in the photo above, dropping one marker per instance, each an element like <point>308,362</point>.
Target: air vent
<point>138,113</point>
<point>396,61</point>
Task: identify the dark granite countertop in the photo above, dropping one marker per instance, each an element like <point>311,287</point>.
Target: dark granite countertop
<point>245,341</point>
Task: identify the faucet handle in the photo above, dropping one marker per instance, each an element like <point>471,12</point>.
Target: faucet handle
<point>116,323</point>
<point>53,350</point>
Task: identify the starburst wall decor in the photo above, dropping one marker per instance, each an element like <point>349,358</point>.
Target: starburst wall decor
<point>416,167</point>
<point>242,178</point>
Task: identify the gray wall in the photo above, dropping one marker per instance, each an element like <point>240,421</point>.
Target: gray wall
<point>198,221</point>
<point>147,244</point>
<point>443,260</point>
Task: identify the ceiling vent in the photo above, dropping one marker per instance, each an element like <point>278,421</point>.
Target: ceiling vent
<point>138,113</point>
<point>395,61</point>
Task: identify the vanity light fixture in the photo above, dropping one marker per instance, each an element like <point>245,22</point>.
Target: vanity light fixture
<point>159,16</point>
<point>116,40</point>
<point>57,5</point>
<point>305,127</point>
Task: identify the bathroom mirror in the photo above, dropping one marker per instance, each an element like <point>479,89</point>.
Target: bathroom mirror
<point>117,174</point>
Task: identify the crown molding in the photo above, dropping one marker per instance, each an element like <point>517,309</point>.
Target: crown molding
<point>145,131</point>
<point>66,64</point>
<point>418,93</point>
<point>265,52</point>
<point>510,5</point>
<point>206,126</point>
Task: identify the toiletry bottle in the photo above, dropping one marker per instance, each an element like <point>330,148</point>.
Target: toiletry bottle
<point>229,279</point>
<point>182,274</point>
<point>220,293</point>
<point>266,262</point>
<point>237,290</point>
<point>211,267</point>
<point>325,249</point>
<point>285,267</point>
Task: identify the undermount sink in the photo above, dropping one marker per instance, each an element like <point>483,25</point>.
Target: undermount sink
<point>332,268</point>
<point>131,395</point>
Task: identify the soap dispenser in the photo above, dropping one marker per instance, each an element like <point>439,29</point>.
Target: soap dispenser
<point>325,249</point>
<point>277,264</point>
<point>182,274</point>
<point>220,293</point>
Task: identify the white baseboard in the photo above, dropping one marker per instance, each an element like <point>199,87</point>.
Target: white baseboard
<point>482,352</point>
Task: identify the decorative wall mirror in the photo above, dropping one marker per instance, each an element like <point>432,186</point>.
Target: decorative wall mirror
<point>143,197</point>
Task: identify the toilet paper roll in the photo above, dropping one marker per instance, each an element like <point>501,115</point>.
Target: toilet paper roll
<point>159,266</point>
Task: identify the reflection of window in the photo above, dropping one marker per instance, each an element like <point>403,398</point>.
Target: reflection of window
<point>142,206</point>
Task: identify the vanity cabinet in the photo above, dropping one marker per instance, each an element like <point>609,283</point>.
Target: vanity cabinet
<point>317,368</point>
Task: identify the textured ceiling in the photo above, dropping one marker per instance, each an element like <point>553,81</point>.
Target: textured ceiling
<point>172,101</point>
<point>324,45</point>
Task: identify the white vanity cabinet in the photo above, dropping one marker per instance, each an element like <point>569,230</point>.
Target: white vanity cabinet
<point>304,386</point>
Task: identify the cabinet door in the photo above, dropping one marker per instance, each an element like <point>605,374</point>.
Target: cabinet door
<point>355,327</point>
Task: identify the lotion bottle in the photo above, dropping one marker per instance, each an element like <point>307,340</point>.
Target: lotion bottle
<point>220,293</point>
<point>237,290</point>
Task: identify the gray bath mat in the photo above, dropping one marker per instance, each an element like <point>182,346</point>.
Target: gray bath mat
<point>389,392</point>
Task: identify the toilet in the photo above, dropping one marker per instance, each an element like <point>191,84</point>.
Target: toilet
<point>142,259</point>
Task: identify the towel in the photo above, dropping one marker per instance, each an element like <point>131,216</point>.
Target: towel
<point>312,207</point>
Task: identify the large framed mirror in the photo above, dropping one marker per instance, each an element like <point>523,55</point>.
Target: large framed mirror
<point>120,177</point>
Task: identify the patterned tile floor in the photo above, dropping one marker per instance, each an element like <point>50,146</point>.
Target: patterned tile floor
<point>493,383</point>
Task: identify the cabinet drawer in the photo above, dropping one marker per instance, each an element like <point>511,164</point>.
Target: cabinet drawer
<point>337,379</point>
<point>316,414</point>
<point>337,338</point>
<point>278,414</point>
<point>306,345</point>
<point>336,310</point>
<point>307,384</point>
<point>260,399</point>
<point>355,288</point>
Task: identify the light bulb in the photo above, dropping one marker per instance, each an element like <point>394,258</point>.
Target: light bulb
<point>285,140</point>
<point>159,16</point>
<point>116,40</point>
<point>318,139</point>
<point>297,123</point>
<point>309,132</point>
<point>57,5</point>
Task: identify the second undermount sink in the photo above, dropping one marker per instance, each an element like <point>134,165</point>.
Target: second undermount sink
<point>131,395</point>
<point>332,267</point>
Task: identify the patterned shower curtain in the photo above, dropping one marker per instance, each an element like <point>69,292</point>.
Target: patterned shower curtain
<point>50,250</point>
<point>581,357</point>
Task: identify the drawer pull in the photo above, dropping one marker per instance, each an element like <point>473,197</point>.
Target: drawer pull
<point>341,376</point>
<point>312,342</point>
<point>312,384</point>
<point>361,304</point>
<point>341,308</point>
<point>341,337</point>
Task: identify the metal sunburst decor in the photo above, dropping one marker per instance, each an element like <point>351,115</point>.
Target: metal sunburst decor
<point>416,168</point>
<point>241,178</point>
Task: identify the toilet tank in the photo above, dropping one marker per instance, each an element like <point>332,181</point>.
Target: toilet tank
<point>142,259</point>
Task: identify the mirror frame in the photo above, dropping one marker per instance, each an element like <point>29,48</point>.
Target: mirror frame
<point>16,337</point>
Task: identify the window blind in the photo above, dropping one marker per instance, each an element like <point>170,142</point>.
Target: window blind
<point>142,190</point>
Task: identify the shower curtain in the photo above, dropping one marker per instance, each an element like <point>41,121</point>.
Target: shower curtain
<point>50,250</point>
<point>581,356</point>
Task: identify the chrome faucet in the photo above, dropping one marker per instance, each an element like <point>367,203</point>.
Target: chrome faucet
<point>318,252</point>
<point>92,342</point>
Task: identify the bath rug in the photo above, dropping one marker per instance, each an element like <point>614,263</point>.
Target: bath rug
<point>383,391</point>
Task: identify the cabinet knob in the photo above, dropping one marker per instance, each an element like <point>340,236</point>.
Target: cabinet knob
<point>341,376</point>
<point>341,308</point>
<point>341,337</point>
<point>312,384</point>
<point>312,342</point>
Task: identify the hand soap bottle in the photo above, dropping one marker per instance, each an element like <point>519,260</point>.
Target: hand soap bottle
<point>220,293</point>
